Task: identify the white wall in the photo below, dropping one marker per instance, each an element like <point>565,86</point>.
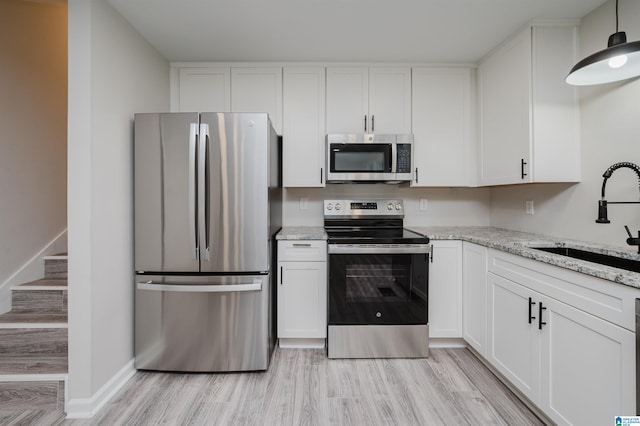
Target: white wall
<point>446,206</point>
<point>610,133</point>
<point>113,73</point>
<point>33,132</point>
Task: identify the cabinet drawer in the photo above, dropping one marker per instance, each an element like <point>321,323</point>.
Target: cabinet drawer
<point>610,301</point>
<point>302,251</point>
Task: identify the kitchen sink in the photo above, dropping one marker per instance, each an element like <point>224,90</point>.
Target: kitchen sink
<point>599,258</point>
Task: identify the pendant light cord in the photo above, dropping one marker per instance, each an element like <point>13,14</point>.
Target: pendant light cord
<point>616,15</point>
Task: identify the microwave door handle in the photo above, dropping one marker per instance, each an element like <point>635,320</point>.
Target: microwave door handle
<point>394,154</point>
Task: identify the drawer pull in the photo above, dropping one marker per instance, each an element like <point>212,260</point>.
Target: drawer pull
<point>302,244</point>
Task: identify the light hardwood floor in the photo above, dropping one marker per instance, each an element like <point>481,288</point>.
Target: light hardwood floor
<point>303,387</point>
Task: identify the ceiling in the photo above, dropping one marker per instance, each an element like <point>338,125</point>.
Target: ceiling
<point>441,31</point>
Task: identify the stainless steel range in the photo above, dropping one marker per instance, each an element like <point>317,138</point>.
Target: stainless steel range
<point>378,281</point>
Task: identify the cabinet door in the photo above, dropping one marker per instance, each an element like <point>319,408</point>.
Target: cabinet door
<point>304,127</point>
<point>206,89</point>
<point>258,90</point>
<point>441,110</point>
<point>514,348</point>
<point>445,289</point>
<point>504,81</point>
<point>302,300</point>
<point>347,100</point>
<point>588,367</point>
<point>474,296</point>
<point>390,100</point>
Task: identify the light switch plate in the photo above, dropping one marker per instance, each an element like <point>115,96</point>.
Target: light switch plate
<point>424,204</point>
<point>528,207</point>
<point>304,203</point>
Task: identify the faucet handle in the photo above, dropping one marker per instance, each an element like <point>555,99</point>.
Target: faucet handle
<point>628,232</point>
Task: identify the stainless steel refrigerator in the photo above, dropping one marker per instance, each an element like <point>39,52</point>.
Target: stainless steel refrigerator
<point>208,202</point>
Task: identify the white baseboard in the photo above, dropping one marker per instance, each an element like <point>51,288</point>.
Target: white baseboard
<point>32,270</point>
<point>85,408</point>
<point>301,343</point>
<point>447,342</point>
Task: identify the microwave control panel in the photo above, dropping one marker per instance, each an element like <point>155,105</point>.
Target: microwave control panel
<point>403,160</point>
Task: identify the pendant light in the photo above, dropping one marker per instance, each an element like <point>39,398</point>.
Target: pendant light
<point>619,61</point>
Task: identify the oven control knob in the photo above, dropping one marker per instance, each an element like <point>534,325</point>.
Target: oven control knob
<point>329,206</point>
<point>390,206</point>
<point>378,314</point>
<point>398,206</point>
<point>338,206</point>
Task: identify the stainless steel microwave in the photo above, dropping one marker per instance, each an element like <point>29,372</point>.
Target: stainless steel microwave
<point>369,158</point>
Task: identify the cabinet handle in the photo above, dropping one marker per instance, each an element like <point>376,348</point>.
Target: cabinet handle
<point>531,303</point>
<point>281,275</point>
<point>302,244</point>
<point>416,175</point>
<point>321,174</point>
<point>373,123</point>
<point>522,164</point>
<point>540,322</point>
<point>365,123</point>
<point>432,250</point>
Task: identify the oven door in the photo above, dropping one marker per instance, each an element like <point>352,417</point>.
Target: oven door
<point>378,286</point>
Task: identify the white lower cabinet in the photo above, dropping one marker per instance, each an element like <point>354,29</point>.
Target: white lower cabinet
<point>445,289</point>
<point>302,293</point>
<point>578,368</point>
<point>474,296</point>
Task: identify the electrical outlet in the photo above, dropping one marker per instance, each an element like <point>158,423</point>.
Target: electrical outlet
<point>528,207</point>
<point>424,204</point>
<point>304,203</point>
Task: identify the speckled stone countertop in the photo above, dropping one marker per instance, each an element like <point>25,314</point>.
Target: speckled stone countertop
<point>520,243</point>
<point>302,233</point>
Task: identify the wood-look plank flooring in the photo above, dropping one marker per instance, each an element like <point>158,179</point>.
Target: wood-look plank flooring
<point>303,387</point>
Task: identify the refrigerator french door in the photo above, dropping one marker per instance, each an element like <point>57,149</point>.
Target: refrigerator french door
<point>206,210</point>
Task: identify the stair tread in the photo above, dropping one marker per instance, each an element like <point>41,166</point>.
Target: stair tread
<point>41,364</point>
<point>32,318</point>
<point>45,282</point>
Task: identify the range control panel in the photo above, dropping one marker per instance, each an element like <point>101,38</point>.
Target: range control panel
<point>363,208</point>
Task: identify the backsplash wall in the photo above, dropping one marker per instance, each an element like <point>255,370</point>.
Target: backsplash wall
<point>445,206</point>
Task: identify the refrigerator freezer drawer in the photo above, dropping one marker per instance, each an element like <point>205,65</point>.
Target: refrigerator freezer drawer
<point>203,324</point>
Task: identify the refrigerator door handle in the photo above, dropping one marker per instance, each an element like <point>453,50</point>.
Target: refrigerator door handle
<point>254,285</point>
<point>193,230</point>
<point>203,189</point>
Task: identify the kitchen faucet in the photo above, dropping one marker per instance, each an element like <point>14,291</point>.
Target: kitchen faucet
<point>603,203</point>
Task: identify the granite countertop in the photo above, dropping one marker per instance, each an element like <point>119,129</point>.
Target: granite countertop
<point>520,243</point>
<point>514,242</point>
<point>302,233</point>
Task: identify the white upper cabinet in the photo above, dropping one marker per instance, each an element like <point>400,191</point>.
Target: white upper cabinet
<point>444,154</point>
<point>368,100</point>
<point>202,89</point>
<point>256,89</point>
<point>529,117</point>
<point>304,127</point>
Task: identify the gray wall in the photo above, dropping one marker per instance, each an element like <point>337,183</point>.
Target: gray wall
<point>610,133</point>
<point>33,131</point>
<point>113,73</point>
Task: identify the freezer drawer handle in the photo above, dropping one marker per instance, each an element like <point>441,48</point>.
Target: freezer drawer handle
<point>255,285</point>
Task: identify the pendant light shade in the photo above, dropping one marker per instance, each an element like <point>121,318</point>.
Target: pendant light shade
<point>619,61</point>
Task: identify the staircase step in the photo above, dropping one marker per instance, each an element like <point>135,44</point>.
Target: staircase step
<point>33,320</point>
<point>43,296</point>
<point>25,400</point>
<point>55,267</point>
<point>33,342</point>
<point>18,365</point>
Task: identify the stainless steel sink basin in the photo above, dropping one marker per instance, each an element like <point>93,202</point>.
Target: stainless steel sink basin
<point>599,258</point>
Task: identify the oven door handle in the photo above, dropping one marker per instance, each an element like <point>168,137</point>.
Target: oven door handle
<point>379,249</point>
